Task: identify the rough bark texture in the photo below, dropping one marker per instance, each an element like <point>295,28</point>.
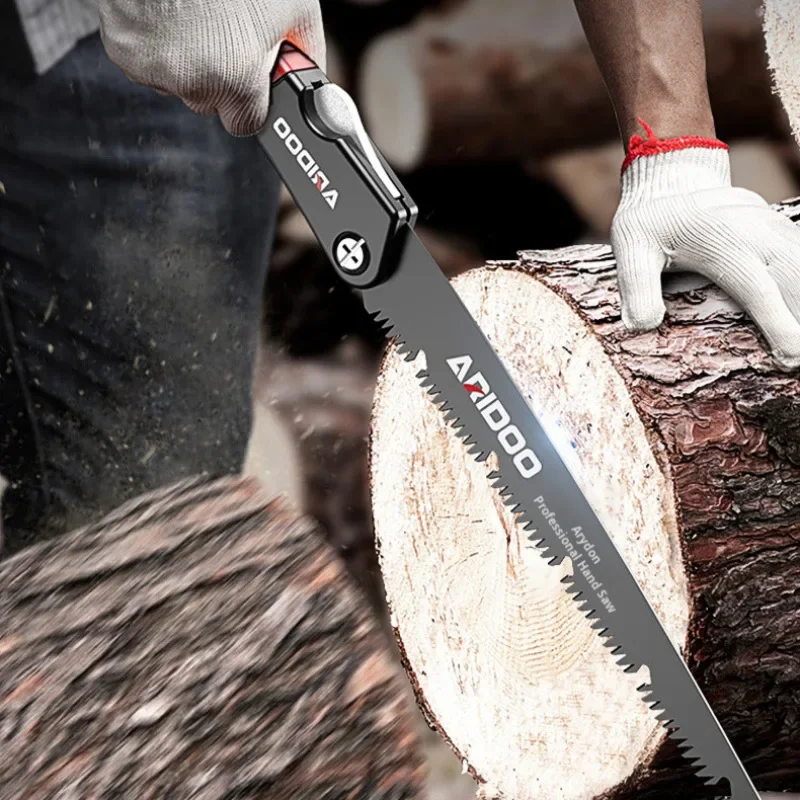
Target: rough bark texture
<point>203,642</point>
<point>732,428</point>
<point>731,424</point>
<point>727,423</point>
<point>466,101</point>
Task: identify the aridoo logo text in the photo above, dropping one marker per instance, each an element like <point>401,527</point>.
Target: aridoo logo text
<point>496,417</point>
<point>306,161</point>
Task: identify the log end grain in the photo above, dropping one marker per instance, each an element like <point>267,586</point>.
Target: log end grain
<point>781,23</point>
<point>503,662</point>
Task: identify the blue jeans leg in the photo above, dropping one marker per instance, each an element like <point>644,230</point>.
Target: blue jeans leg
<point>134,239</point>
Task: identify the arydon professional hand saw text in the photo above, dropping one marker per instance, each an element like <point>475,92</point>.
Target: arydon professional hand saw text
<point>364,220</point>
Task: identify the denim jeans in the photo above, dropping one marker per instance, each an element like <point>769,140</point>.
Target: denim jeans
<point>134,238</point>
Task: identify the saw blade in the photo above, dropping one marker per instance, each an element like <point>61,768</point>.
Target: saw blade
<point>468,382</point>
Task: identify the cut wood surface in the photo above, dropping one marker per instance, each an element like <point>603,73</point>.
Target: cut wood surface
<point>686,440</point>
<point>782,36</point>
<point>459,88</point>
<point>200,642</point>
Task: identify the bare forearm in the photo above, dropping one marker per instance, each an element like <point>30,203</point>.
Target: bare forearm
<point>652,57</point>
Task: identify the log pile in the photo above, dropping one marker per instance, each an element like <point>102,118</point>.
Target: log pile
<point>686,441</point>
<point>201,641</point>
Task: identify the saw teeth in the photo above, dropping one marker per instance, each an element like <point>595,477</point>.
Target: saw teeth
<point>687,750</point>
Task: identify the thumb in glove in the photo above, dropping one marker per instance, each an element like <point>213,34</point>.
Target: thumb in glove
<point>639,267</point>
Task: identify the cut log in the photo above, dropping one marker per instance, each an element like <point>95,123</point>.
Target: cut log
<point>686,440</point>
<point>432,95</point>
<point>199,642</point>
<point>782,36</point>
<point>351,24</point>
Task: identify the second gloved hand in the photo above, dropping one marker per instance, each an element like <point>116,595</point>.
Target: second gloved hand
<point>678,208</point>
<point>217,55</point>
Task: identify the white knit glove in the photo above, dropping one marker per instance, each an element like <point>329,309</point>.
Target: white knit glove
<point>217,55</point>
<point>678,209</point>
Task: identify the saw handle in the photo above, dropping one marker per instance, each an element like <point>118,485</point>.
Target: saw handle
<point>290,59</point>
<point>348,193</point>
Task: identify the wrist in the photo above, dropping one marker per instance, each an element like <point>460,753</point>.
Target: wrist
<point>670,122</point>
<point>659,167</point>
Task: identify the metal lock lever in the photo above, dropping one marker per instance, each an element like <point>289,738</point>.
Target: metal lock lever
<point>337,116</point>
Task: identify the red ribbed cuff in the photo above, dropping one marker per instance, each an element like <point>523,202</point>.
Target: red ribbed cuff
<point>652,145</point>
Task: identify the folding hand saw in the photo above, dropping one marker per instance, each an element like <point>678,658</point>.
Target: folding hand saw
<point>364,220</point>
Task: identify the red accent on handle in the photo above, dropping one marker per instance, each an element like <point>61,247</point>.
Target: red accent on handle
<point>290,59</point>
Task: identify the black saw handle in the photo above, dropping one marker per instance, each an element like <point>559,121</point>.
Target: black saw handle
<point>351,198</point>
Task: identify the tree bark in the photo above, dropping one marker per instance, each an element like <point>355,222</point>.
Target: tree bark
<point>429,98</point>
<point>686,440</point>
<point>201,641</point>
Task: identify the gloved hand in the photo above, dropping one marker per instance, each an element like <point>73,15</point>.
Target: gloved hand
<point>678,208</point>
<point>217,55</point>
